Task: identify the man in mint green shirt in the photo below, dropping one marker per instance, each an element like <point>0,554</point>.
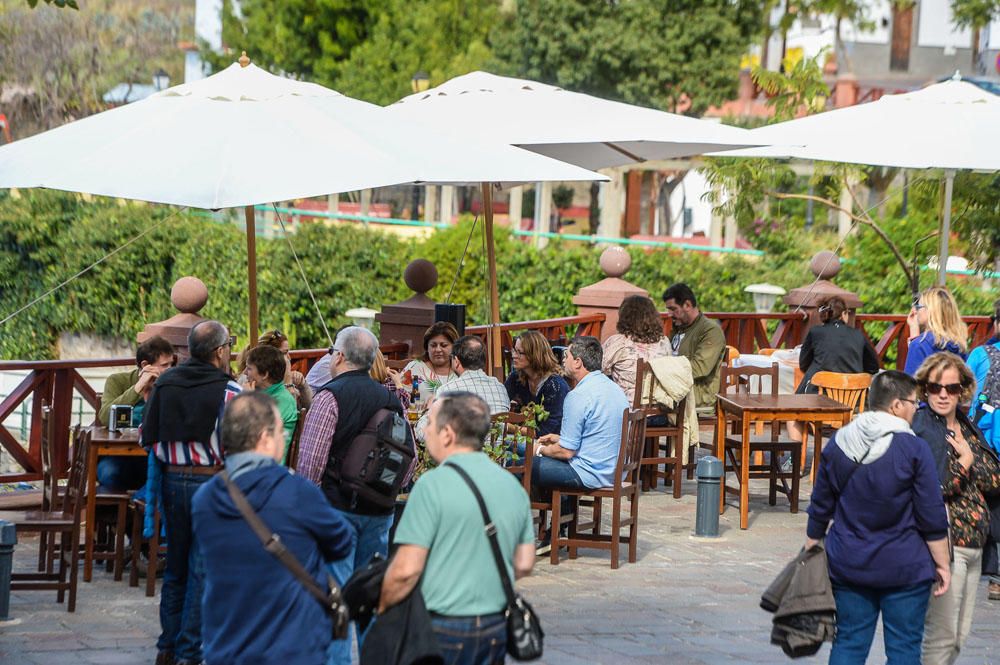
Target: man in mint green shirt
<point>266,367</point>
<point>441,536</point>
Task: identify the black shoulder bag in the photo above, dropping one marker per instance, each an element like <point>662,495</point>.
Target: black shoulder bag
<point>524,631</point>
<point>331,601</point>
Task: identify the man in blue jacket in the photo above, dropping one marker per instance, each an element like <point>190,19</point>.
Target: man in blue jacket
<point>254,610</point>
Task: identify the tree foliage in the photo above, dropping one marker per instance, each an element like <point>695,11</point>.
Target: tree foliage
<point>681,55</point>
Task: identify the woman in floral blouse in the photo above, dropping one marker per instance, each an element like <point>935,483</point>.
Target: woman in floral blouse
<point>970,477</point>
<point>640,335</point>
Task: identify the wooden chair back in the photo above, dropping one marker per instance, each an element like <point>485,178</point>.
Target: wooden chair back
<point>398,365</point>
<point>293,445</point>
<point>731,354</point>
<point>630,453</point>
<point>76,486</point>
<point>750,380</point>
<point>849,389</point>
<point>50,485</point>
<point>512,426</point>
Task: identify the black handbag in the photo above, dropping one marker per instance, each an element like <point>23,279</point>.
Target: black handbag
<point>331,601</point>
<point>524,631</point>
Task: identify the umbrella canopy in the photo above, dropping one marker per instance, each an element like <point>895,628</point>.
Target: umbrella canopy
<point>950,125</point>
<point>244,136</point>
<point>580,129</point>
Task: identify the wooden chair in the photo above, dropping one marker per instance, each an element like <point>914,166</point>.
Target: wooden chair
<point>727,380</point>
<point>293,445</point>
<point>64,522</point>
<point>750,380</point>
<point>626,487</point>
<point>664,446</point>
<point>849,389</point>
<point>138,519</point>
<point>509,424</point>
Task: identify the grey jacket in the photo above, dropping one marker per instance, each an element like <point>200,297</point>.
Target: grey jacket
<point>801,598</point>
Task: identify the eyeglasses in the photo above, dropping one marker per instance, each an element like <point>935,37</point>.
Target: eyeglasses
<point>911,401</point>
<point>333,349</point>
<point>516,352</point>
<point>231,342</point>
<point>935,388</point>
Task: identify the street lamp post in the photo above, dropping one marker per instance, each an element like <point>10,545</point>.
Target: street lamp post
<point>161,80</point>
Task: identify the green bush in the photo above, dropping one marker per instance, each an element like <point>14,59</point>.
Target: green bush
<point>46,237</point>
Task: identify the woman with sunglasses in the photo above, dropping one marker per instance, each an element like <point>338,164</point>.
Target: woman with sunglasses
<point>969,473</point>
<point>935,325</point>
<point>536,378</point>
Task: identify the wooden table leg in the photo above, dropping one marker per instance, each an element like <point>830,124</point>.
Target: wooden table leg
<point>88,537</point>
<point>745,473</point>
<point>720,452</point>
<point>817,450</point>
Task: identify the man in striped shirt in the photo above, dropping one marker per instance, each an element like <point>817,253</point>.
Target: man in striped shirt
<point>181,424</point>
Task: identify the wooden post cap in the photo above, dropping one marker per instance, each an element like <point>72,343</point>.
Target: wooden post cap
<point>244,60</point>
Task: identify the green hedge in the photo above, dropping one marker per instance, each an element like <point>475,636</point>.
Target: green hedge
<point>45,237</point>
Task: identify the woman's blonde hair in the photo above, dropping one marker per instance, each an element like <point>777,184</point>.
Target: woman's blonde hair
<point>273,338</point>
<point>379,370</point>
<point>538,353</point>
<point>937,363</point>
<point>943,319</point>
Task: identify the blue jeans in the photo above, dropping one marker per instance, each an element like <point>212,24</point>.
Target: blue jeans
<point>120,473</point>
<point>471,640</point>
<point>183,580</point>
<point>903,610</point>
<point>548,474</point>
<point>369,535</point>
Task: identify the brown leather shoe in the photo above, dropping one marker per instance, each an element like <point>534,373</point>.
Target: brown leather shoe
<point>994,590</point>
<point>165,658</point>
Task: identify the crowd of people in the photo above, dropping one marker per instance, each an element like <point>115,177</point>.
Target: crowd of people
<point>220,442</point>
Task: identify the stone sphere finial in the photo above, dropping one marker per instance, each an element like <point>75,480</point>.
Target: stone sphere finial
<point>615,261</point>
<point>189,295</point>
<point>825,264</point>
<point>420,275</point>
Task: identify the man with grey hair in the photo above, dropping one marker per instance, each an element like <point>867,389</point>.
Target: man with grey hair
<point>182,426</point>
<point>339,412</point>
<point>441,540</point>
<point>585,452</point>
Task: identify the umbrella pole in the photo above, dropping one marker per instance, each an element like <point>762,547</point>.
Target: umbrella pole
<point>252,271</point>
<point>493,332</point>
<point>949,185</point>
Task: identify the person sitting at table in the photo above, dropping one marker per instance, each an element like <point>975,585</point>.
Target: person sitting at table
<point>152,358</point>
<point>935,325</point>
<point>584,453</point>
<point>293,380</point>
<point>834,346</point>
<point>697,338</point>
<point>536,379</point>
<point>265,371</point>
<point>433,369</point>
<point>640,335</point>
<point>388,377</point>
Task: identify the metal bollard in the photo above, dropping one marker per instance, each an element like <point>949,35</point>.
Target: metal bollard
<point>706,521</point>
<point>8,538</point>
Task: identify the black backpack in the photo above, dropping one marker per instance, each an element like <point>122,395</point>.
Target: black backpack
<point>377,460</point>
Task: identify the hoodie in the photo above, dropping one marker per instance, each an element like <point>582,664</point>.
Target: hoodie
<point>253,609</point>
<point>878,485</point>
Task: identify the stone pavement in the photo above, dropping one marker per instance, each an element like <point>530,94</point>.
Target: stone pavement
<point>684,602</point>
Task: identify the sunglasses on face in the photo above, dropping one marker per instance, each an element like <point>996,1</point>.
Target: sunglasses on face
<point>952,388</point>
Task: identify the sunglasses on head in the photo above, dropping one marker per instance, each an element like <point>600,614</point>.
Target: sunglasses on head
<point>935,388</point>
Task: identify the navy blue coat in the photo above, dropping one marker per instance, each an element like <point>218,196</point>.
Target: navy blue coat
<point>253,609</point>
<point>883,513</point>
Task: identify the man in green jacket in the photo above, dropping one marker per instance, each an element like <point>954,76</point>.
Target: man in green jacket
<point>152,358</point>
<point>698,339</point>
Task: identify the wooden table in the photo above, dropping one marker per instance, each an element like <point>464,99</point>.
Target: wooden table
<point>103,442</point>
<point>747,409</point>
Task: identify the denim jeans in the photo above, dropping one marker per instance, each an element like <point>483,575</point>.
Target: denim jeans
<point>183,580</point>
<point>548,474</point>
<point>369,535</point>
<point>471,640</point>
<point>903,610</point>
<point>120,473</point>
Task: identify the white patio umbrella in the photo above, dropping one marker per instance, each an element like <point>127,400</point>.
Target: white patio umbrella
<point>244,137</point>
<point>574,127</point>
<point>951,125</point>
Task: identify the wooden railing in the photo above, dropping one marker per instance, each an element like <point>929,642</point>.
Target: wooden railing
<point>57,381</point>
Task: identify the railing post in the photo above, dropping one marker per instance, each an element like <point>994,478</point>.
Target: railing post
<point>62,413</point>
